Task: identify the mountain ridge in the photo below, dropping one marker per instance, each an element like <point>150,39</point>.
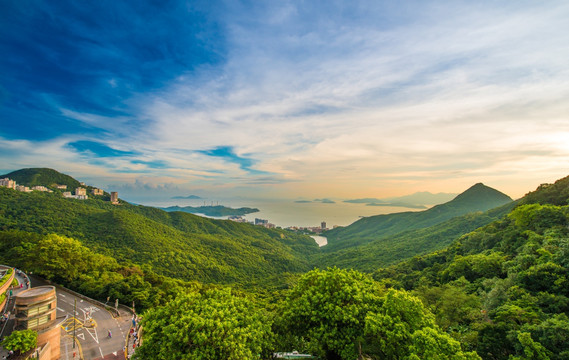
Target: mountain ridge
<point>175,244</point>
<point>478,197</point>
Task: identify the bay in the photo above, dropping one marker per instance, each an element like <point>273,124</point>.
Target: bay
<point>287,212</point>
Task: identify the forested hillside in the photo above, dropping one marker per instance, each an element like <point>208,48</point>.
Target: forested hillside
<point>176,244</point>
<point>477,198</point>
<point>499,290</point>
<point>392,249</point>
<point>41,177</point>
<point>503,289</point>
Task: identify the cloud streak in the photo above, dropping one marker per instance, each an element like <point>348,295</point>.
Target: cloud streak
<point>299,98</point>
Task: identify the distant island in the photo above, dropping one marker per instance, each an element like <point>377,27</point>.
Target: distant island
<point>189,197</point>
<point>323,201</point>
<point>217,210</point>
<point>410,206</point>
<point>418,200</point>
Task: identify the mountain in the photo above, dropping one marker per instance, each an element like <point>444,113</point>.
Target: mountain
<point>477,198</point>
<point>385,251</point>
<point>178,245</point>
<point>189,197</point>
<point>417,200</point>
<point>41,176</point>
<point>555,194</point>
<point>423,198</point>
<point>502,289</point>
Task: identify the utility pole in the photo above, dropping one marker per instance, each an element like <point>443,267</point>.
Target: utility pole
<point>74,322</point>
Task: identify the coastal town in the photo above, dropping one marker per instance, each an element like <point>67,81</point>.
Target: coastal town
<point>265,223</point>
<point>80,192</point>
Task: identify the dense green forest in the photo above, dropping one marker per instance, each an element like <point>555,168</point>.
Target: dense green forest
<point>384,251</point>
<point>368,229</point>
<point>178,245</point>
<point>496,286</point>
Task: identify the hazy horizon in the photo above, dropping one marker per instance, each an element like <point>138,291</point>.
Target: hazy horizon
<point>292,100</point>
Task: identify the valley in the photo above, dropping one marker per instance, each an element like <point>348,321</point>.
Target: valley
<point>473,263</point>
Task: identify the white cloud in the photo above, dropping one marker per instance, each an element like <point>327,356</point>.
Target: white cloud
<point>454,90</point>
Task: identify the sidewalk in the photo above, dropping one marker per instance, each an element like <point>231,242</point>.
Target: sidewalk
<point>133,338</point>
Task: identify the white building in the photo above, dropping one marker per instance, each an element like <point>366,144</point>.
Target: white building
<point>41,188</point>
<point>11,184</point>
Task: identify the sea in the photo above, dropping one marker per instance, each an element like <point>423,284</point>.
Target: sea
<point>287,212</point>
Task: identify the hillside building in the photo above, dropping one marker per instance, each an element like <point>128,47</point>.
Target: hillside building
<point>23,188</point>
<point>97,192</point>
<point>80,191</point>
<point>323,225</point>
<point>11,184</point>
<point>61,187</point>
<point>36,309</point>
<point>41,188</point>
<point>114,197</point>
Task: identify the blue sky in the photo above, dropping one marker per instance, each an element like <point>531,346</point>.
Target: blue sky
<point>287,99</point>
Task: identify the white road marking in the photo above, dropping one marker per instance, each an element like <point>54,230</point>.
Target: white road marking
<point>60,309</point>
<point>81,336</point>
<point>93,333</point>
<point>101,351</point>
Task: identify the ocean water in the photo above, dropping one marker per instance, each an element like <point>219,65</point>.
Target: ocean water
<point>286,212</point>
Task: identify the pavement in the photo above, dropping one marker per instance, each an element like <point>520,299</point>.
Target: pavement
<point>84,326</point>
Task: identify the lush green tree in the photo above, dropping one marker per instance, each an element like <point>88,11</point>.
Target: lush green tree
<point>392,325</point>
<point>21,341</point>
<point>403,328</point>
<point>451,305</point>
<point>213,324</point>
<point>431,344</point>
<point>532,349</point>
<point>328,308</point>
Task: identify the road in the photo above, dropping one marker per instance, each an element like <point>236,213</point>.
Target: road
<point>90,326</point>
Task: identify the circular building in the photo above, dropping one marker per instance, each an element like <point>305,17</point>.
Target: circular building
<point>36,309</point>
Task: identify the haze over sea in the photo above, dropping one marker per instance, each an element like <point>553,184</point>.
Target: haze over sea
<point>287,212</point>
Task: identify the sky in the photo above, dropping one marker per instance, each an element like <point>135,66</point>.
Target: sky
<point>287,99</point>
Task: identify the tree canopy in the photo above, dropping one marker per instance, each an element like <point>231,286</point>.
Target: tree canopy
<point>211,324</point>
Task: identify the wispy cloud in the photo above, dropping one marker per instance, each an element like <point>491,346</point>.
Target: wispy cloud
<point>363,97</point>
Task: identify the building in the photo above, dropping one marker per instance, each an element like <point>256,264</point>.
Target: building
<point>80,191</point>
<point>261,221</point>
<point>67,194</point>
<point>11,184</point>
<point>41,188</point>
<point>323,225</point>
<point>97,192</point>
<point>23,188</point>
<point>36,309</point>
<point>82,183</point>
<point>114,197</point>
<point>61,187</point>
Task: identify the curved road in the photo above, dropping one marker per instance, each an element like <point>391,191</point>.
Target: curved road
<point>90,326</point>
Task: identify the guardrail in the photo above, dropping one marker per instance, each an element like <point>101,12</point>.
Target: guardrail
<point>112,310</point>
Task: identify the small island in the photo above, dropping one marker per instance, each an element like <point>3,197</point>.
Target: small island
<point>217,211</point>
